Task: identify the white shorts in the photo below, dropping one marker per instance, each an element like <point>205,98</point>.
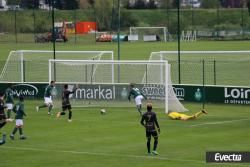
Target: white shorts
<point>138,100</point>
<point>48,100</point>
<point>19,122</point>
<point>9,106</point>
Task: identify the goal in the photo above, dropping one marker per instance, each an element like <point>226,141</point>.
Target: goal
<point>220,67</point>
<point>106,82</point>
<point>148,34</point>
<point>32,65</point>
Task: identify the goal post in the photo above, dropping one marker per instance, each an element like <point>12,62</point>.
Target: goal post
<point>148,33</point>
<point>103,91</point>
<point>32,65</point>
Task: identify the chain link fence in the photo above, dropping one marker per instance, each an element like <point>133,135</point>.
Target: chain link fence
<point>217,72</point>
<point>206,24</point>
<point>234,73</point>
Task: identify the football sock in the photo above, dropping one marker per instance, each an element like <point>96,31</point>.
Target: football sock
<point>70,114</point>
<point>20,131</point>
<point>148,145</point>
<point>139,108</point>
<point>155,143</point>
<point>2,124</point>
<point>14,131</point>
<point>198,114</point>
<point>8,113</point>
<point>50,108</point>
<point>2,142</point>
<point>62,113</point>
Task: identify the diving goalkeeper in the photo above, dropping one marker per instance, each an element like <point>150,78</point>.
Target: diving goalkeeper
<point>179,116</point>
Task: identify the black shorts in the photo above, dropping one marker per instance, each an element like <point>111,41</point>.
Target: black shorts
<point>151,133</point>
<point>66,107</point>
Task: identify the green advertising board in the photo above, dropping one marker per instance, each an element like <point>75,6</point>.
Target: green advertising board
<point>189,93</point>
<point>214,94</point>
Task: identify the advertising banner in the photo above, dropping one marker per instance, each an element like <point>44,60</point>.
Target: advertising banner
<point>189,93</point>
<point>213,94</point>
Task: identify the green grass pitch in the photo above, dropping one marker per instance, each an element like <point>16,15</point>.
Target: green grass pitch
<point>118,139</point>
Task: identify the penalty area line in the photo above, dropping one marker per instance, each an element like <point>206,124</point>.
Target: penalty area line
<point>221,122</point>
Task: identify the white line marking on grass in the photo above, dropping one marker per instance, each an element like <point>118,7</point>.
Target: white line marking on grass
<point>102,154</point>
<point>113,155</point>
<point>216,123</point>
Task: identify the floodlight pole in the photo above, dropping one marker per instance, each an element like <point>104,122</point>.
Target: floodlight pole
<point>34,21</point>
<point>168,26</point>
<point>203,84</point>
<point>75,23</point>
<point>118,36</point>
<point>15,24</point>
<point>192,9</point>
<point>242,21</point>
<point>179,41</point>
<point>53,36</point>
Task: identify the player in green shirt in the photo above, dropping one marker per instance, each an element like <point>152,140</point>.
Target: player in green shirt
<point>48,97</point>
<point>19,110</point>
<point>9,101</point>
<point>138,96</point>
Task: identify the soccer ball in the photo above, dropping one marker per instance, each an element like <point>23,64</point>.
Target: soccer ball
<point>103,111</point>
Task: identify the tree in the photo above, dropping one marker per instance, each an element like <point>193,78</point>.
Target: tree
<point>210,3</point>
<point>151,4</point>
<point>248,6</point>
<point>166,4</point>
<point>175,3</point>
<point>126,4</point>
<point>29,4</point>
<point>64,4</point>
<point>84,4</point>
<point>13,2</point>
<point>140,4</point>
<point>103,10</point>
<point>91,2</point>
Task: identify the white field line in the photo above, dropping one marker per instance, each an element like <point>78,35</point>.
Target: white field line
<point>101,154</point>
<point>113,155</point>
<point>216,123</point>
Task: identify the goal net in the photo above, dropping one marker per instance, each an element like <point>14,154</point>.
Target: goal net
<point>220,67</point>
<point>148,34</point>
<point>32,65</point>
<point>105,83</point>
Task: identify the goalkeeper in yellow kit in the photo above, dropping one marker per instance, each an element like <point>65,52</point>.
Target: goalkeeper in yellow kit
<point>179,116</point>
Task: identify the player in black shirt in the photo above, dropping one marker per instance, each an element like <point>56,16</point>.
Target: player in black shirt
<point>149,121</point>
<point>65,102</point>
<point>2,116</point>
